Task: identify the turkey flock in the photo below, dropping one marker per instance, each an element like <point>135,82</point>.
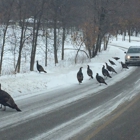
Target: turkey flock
<point>106,72</point>
<point>7,100</point>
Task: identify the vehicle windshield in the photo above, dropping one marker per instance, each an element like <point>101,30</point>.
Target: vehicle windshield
<point>134,50</point>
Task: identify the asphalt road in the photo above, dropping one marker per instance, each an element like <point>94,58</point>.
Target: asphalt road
<point>76,113</point>
<point>122,124</point>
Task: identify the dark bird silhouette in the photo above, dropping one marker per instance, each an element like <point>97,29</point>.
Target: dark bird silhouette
<point>7,100</point>
<point>40,68</point>
<point>100,79</point>
<point>80,75</point>
<point>105,72</point>
<point>89,72</point>
<point>109,68</point>
<point>111,62</point>
<point>116,58</point>
<point>124,66</point>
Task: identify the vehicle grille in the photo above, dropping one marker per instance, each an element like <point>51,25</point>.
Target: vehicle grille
<point>134,57</point>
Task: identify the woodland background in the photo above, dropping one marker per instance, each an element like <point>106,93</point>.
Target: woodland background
<point>25,24</point>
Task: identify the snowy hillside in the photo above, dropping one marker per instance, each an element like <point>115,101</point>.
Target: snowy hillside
<point>64,74</point>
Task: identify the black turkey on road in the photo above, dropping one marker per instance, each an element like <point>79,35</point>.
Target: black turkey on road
<point>89,72</point>
<point>124,66</point>
<point>105,72</point>
<point>7,100</point>
<point>40,68</point>
<point>109,68</point>
<point>100,79</point>
<point>80,75</point>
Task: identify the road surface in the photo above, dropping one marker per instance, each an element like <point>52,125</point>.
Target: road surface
<point>122,124</point>
<point>70,113</point>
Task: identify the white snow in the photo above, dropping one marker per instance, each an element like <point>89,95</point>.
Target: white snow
<point>28,84</point>
<point>64,74</point>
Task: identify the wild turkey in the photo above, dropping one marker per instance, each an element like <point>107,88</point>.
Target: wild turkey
<point>116,58</point>
<point>100,79</point>
<point>89,72</point>
<point>109,68</point>
<point>40,68</point>
<point>111,62</point>
<point>105,72</point>
<point>80,75</point>
<point>7,100</point>
<point>124,66</point>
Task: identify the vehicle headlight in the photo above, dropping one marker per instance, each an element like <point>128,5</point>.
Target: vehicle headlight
<point>128,57</point>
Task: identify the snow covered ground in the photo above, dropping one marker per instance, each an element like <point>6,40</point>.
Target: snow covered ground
<point>64,74</point>
<point>24,85</point>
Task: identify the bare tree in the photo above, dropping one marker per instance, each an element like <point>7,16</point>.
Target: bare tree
<point>6,11</point>
<point>37,12</point>
<point>22,11</point>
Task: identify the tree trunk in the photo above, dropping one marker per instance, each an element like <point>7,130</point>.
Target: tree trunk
<point>98,43</point>
<point>129,33</point>
<point>89,52</point>
<point>55,43</point>
<point>33,51</point>
<point>36,26</point>
<point>78,52</point>
<point>63,41</point>
<point>22,40</point>
<point>17,69</point>
<point>2,48</point>
<point>93,51</point>
<point>34,43</point>
<point>46,49</point>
